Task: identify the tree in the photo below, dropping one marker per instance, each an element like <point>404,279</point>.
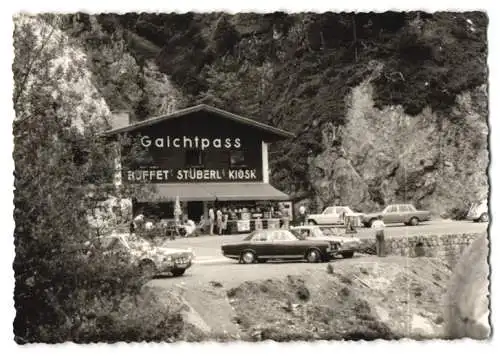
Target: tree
<point>60,291</point>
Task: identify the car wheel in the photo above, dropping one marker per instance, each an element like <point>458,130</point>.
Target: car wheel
<point>484,217</point>
<point>349,254</point>
<point>147,268</point>
<point>248,257</point>
<point>178,272</point>
<point>414,221</point>
<point>312,222</point>
<point>313,256</point>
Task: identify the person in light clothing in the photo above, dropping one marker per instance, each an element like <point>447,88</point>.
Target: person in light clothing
<point>202,225</point>
<point>218,215</point>
<point>189,227</point>
<point>302,215</point>
<point>379,226</point>
<point>211,220</point>
<point>149,226</point>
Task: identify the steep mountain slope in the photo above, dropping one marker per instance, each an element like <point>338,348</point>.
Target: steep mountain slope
<point>373,79</point>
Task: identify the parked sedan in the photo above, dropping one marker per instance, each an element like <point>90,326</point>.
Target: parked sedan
<point>348,245</point>
<point>332,215</point>
<point>398,214</point>
<point>279,244</point>
<point>149,259</point>
<point>478,211</point>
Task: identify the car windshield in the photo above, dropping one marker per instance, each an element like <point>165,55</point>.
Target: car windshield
<point>114,243</point>
<point>326,231</point>
<point>297,234</point>
<point>250,236</point>
<point>329,210</point>
<point>316,232</point>
<point>391,209</point>
<point>139,242</point>
<point>349,210</point>
<point>341,210</point>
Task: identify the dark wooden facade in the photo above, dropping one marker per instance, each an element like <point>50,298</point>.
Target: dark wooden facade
<point>199,155</point>
<point>198,147</point>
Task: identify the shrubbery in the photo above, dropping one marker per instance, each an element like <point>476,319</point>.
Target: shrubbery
<point>94,298</point>
<point>63,292</point>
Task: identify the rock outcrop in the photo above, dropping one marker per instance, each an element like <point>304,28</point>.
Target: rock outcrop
<point>384,156</point>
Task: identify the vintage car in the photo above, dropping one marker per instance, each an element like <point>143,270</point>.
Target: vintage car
<point>332,215</point>
<point>478,211</point>
<point>151,260</point>
<point>279,244</point>
<point>348,245</point>
<point>398,214</point>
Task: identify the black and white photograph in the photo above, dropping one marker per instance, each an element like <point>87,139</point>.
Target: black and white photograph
<point>251,176</point>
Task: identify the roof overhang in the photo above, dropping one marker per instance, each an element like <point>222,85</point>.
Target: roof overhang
<point>202,107</point>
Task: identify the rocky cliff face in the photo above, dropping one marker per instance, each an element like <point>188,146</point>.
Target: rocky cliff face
<point>386,107</point>
<point>384,156</point>
<point>48,61</point>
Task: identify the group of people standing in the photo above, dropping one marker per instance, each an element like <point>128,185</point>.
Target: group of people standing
<point>217,219</point>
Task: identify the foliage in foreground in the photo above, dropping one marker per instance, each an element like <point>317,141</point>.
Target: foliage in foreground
<point>62,292</point>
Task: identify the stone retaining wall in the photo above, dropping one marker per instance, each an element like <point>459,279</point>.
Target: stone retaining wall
<point>448,247</point>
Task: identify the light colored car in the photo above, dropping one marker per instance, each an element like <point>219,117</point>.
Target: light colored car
<point>398,214</point>
<point>478,211</point>
<point>332,215</point>
<point>150,259</point>
<point>348,245</point>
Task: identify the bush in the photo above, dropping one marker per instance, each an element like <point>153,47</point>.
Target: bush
<point>99,300</point>
<point>61,292</point>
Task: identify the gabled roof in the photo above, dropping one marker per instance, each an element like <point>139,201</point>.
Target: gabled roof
<point>197,108</point>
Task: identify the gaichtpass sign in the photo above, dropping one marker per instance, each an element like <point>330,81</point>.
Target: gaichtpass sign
<point>186,142</point>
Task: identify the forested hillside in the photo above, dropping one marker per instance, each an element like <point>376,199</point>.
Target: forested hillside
<point>386,107</point>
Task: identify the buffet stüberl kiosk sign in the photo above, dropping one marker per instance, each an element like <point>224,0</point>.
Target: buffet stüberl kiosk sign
<point>155,174</point>
<point>190,175</point>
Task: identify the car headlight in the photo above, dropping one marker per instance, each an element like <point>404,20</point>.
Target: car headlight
<point>168,259</point>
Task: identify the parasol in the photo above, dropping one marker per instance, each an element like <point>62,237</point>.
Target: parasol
<point>177,209</point>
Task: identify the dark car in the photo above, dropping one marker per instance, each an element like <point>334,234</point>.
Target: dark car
<point>279,244</point>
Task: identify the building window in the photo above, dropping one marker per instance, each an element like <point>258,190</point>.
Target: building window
<point>194,158</point>
<point>237,159</point>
